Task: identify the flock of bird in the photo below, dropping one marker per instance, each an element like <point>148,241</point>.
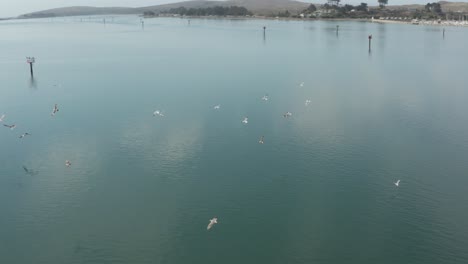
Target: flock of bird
<point>13,126</point>
<point>159,113</point>
<point>245,121</point>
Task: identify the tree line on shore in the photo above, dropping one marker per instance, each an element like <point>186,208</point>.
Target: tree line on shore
<point>330,9</point>
<point>382,3</point>
<point>209,11</point>
<point>334,9</point>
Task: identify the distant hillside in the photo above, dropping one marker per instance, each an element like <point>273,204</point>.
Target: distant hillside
<point>186,4</point>
<point>255,6</point>
<point>261,7</point>
<point>265,7</point>
<point>454,6</point>
<point>80,11</point>
<point>258,7</point>
<point>446,7</point>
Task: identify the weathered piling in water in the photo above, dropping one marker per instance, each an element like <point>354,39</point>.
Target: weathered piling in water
<point>337,28</point>
<point>31,61</point>
<point>443,33</point>
<point>370,43</point>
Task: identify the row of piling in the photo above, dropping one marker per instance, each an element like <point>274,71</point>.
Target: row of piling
<point>32,60</point>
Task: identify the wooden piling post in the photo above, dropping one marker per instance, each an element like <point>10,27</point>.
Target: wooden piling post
<point>31,61</point>
<point>370,43</point>
<point>337,28</point>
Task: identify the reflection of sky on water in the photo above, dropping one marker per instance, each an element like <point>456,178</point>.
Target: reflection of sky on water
<point>142,188</point>
<point>56,181</point>
<point>164,146</point>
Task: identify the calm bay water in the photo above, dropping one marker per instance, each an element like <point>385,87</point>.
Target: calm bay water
<point>141,189</point>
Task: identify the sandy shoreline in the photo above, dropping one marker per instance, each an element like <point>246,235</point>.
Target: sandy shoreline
<point>444,23</point>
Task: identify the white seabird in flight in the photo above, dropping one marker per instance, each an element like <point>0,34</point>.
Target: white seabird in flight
<point>212,222</point>
<point>2,117</point>
<point>397,183</point>
<point>245,120</point>
<point>25,134</point>
<point>67,163</point>
<point>265,97</point>
<point>261,140</point>
<point>216,107</point>
<point>158,113</point>
<point>307,102</point>
<point>287,114</point>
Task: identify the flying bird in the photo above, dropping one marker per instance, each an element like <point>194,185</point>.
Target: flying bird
<point>9,126</point>
<point>307,102</point>
<point>30,172</point>
<point>245,120</point>
<point>67,163</point>
<point>216,107</point>
<point>25,134</point>
<point>301,84</point>
<point>397,183</point>
<point>2,117</point>
<point>55,110</point>
<point>287,114</point>
<point>212,222</point>
<point>158,113</point>
<point>261,140</point>
<point>265,97</point>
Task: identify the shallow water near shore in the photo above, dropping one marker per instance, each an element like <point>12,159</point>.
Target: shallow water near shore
<point>141,189</point>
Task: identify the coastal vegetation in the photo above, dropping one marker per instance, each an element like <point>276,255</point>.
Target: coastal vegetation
<point>209,11</point>
<point>334,2</point>
<point>331,9</point>
<point>334,9</point>
<point>383,3</point>
<point>39,15</point>
<point>328,9</point>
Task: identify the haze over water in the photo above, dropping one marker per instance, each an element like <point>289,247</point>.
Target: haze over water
<point>141,189</point>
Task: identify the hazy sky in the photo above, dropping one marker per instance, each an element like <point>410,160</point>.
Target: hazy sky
<point>10,8</point>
